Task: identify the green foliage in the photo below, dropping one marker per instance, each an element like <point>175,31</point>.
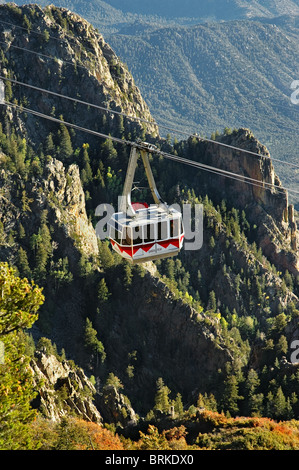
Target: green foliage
<point>162,397</point>
<point>19,301</point>
<point>65,148</point>
<point>113,380</point>
<point>92,342</point>
<point>19,304</point>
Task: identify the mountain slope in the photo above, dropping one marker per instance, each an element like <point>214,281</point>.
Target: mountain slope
<point>209,328</point>
<point>216,9</point>
<point>90,66</point>
<point>207,77</point>
<point>112,15</point>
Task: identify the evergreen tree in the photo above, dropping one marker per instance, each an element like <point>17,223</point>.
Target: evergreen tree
<point>279,405</point>
<point>105,255</point>
<point>231,395</point>
<point>162,396</point>
<point>86,172</point>
<point>103,292</point>
<point>65,144</point>
<point>178,406</point>
<point>49,146</point>
<point>109,153</point>
<point>23,265</point>
<point>212,303</point>
<point>92,342</point>
<point>43,252</point>
<point>113,380</point>
<point>254,401</point>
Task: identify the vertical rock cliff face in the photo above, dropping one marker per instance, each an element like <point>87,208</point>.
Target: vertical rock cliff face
<point>267,207</point>
<point>62,192</point>
<point>58,192</point>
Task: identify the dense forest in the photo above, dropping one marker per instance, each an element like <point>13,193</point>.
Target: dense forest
<point>191,343</point>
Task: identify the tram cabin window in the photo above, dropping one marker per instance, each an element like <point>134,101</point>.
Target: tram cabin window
<point>162,230</point>
<point>127,237</point>
<point>137,235</point>
<point>174,228</point>
<point>115,234</point>
<point>149,233</point>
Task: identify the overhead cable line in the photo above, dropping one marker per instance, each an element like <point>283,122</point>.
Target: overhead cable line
<point>102,108</point>
<point>201,166</point>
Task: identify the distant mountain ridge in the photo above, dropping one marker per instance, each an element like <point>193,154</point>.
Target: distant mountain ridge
<point>205,77</point>
<point>217,9</point>
<point>111,15</point>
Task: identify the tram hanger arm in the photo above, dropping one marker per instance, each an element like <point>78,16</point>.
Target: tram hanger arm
<point>144,148</point>
<point>150,177</point>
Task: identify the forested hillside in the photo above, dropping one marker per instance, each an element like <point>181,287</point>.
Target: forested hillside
<point>209,9</point>
<point>166,355</point>
<point>190,11</point>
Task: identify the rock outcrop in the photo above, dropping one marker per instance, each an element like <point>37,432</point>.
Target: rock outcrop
<point>68,54</point>
<point>116,408</point>
<point>62,389</point>
<point>58,191</point>
<point>266,206</point>
<point>62,192</point>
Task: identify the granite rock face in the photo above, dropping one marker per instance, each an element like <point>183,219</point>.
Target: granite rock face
<point>63,390</point>
<point>266,206</point>
<point>61,52</point>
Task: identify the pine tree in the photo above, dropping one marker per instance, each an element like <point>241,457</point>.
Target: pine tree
<point>49,146</point>
<point>113,380</point>
<point>65,144</point>
<point>103,292</point>
<point>109,153</point>
<point>178,406</point>
<point>279,405</point>
<point>105,255</point>
<point>43,252</point>
<point>162,396</point>
<point>92,342</point>
<point>212,303</point>
<point>254,401</point>
<point>86,173</point>
<point>23,264</point>
<point>231,395</point>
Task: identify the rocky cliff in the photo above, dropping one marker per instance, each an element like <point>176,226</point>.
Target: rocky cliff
<point>266,207</point>
<point>62,389</point>
<point>59,193</point>
<point>57,50</point>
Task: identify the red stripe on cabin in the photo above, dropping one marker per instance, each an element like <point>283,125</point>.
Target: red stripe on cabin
<point>132,251</point>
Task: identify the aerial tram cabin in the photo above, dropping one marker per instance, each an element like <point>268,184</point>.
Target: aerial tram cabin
<point>145,233</point>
